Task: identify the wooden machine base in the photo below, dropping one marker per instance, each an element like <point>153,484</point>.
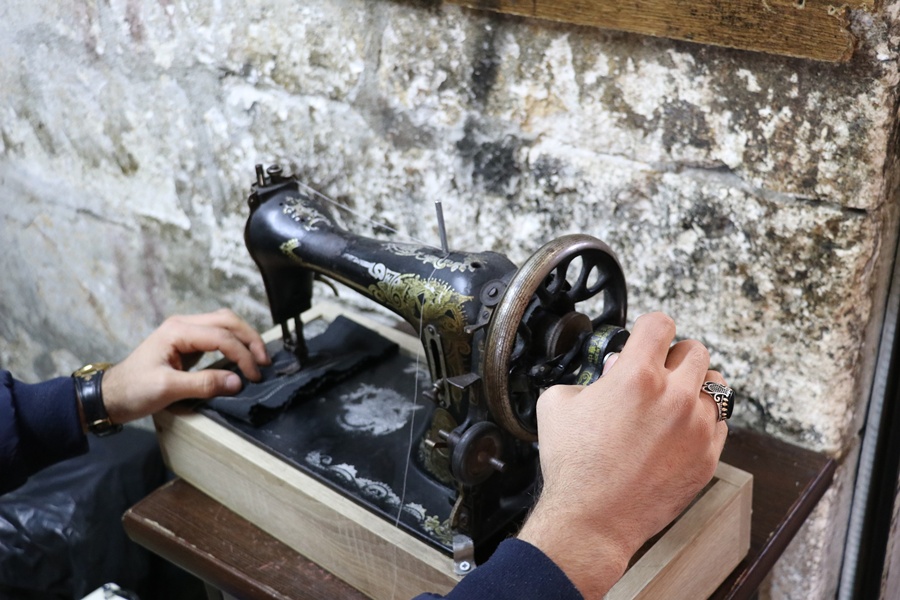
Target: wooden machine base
<point>689,561</point>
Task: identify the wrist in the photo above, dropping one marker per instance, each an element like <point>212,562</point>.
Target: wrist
<point>89,392</point>
<point>113,394</point>
<point>577,543</point>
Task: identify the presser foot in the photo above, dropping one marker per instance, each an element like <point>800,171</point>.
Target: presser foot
<point>295,353</point>
<point>288,366</point>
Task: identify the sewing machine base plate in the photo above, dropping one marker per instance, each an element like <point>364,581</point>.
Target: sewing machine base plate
<point>355,437</point>
<point>688,560</point>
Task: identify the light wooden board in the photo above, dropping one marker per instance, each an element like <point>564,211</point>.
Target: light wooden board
<point>329,529</point>
<point>678,564</point>
<point>816,29</point>
<point>688,562</point>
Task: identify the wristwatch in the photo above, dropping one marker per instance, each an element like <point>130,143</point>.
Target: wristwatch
<point>90,395</point>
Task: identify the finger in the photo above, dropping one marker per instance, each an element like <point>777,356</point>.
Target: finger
<point>190,338</point>
<point>688,353</point>
<point>710,408</point>
<point>707,429</point>
<point>609,361</point>
<point>204,384</point>
<point>720,434</point>
<point>242,330</point>
<point>689,360</point>
<point>650,339</point>
<point>721,437</point>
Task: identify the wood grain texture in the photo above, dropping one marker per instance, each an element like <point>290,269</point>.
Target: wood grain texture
<point>680,564</point>
<point>365,551</point>
<point>190,529</point>
<point>814,29</point>
<point>710,538</point>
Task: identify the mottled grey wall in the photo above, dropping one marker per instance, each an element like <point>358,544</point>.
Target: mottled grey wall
<point>752,197</point>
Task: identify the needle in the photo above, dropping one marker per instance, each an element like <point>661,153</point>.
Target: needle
<point>439,208</point>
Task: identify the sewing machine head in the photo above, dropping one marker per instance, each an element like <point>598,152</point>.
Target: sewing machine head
<point>494,336</point>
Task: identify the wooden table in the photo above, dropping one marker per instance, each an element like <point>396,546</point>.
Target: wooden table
<point>195,532</point>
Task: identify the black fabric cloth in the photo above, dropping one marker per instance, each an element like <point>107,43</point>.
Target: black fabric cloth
<point>345,347</point>
<point>516,571</point>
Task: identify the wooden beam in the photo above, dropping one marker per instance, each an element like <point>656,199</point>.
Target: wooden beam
<point>814,29</point>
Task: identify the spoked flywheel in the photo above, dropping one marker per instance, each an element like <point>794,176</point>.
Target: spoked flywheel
<point>535,336</point>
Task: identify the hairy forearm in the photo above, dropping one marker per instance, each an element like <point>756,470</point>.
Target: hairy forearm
<point>591,560</point>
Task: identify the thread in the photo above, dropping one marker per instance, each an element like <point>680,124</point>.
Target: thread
<point>359,215</point>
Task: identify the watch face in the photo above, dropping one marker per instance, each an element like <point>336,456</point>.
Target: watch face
<point>90,369</point>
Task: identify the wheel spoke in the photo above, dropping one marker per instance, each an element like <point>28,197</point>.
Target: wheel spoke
<point>584,288</point>
<point>545,296</point>
<point>559,275</point>
<point>613,312</point>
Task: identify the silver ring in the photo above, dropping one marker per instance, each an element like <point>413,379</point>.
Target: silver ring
<point>723,395</point>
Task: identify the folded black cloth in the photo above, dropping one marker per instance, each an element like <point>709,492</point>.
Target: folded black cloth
<point>344,348</point>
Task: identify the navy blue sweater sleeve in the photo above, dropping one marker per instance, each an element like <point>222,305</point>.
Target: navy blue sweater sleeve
<point>516,571</point>
<point>39,425</point>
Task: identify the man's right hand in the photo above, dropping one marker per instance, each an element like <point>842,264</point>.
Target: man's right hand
<point>624,456</point>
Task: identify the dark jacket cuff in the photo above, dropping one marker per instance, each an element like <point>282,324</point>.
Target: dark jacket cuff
<point>516,571</point>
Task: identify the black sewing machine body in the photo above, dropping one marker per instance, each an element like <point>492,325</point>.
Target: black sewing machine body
<point>493,337</point>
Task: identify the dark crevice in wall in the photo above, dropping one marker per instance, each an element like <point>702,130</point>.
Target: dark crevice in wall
<point>731,178</point>
<point>485,62</point>
<point>86,212</point>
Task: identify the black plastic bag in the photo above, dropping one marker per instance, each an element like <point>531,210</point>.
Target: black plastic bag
<point>61,533</point>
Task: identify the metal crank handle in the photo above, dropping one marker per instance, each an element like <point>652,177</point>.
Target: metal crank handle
<point>606,340</point>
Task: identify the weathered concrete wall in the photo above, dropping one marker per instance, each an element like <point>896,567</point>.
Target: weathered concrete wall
<point>746,195</point>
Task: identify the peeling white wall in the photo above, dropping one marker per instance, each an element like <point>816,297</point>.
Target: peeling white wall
<point>746,195</point>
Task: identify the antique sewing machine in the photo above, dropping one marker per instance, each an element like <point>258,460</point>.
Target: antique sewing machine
<point>400,471</point>
<point>493,336</point>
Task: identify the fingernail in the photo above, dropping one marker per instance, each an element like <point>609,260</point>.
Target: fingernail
<point>609,361</point>
<point>233,383</point>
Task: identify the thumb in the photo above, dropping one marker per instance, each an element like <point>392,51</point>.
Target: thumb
<point>609,362</point>
<point>204,384</point>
